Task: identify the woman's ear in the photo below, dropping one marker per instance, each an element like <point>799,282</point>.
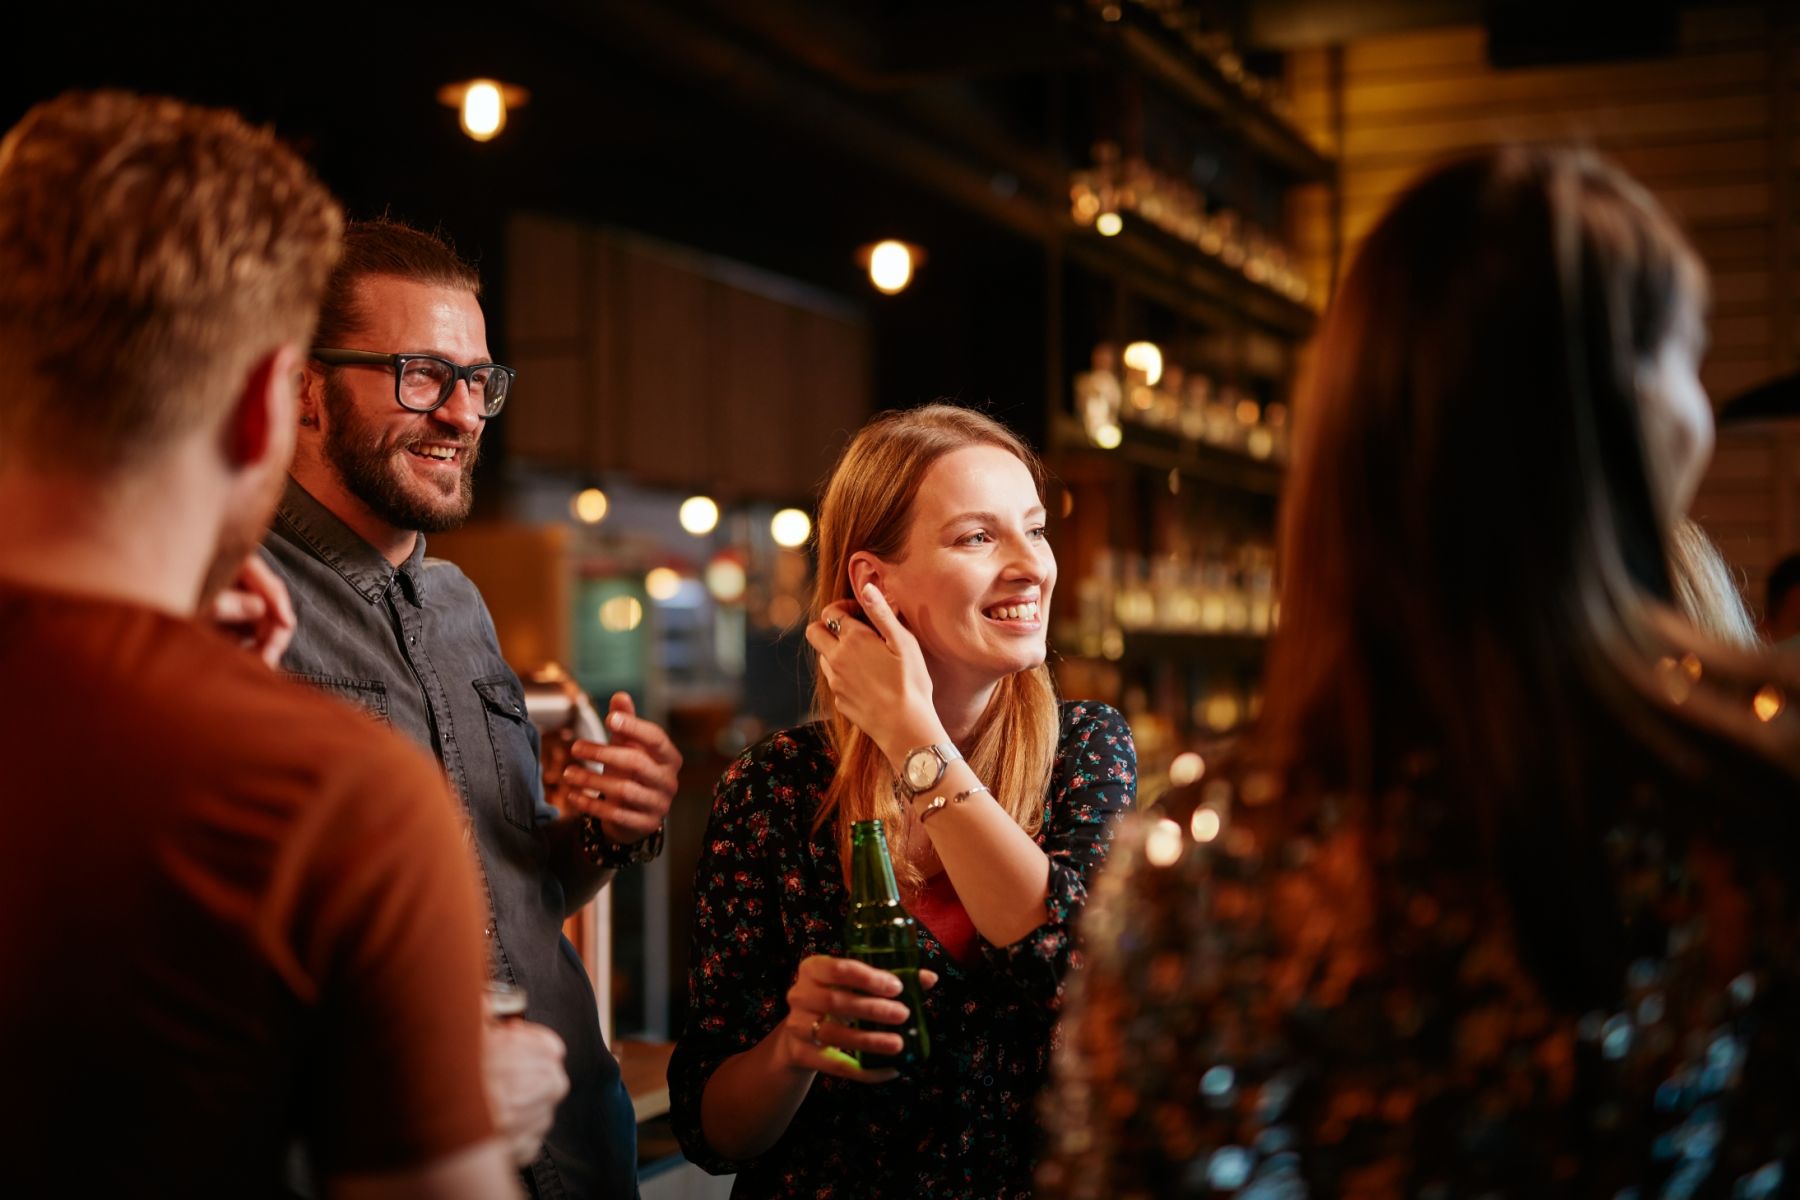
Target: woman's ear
<point>864,568</point>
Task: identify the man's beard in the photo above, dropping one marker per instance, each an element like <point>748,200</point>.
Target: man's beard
<point>365,461</point>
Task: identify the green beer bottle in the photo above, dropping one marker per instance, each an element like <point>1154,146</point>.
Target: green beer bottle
<point>880,932</point>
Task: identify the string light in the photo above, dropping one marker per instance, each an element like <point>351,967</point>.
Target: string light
<point>699,515</point>
<point>790,528</point>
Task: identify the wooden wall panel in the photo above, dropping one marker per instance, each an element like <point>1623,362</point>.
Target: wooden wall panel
<point>753,373</point>
<point>663,402</point>
<point>545,301</point>
<point>676,369</point>
<point>1711,129</point>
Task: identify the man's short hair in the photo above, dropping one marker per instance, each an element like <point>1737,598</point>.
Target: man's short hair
<point>150,252</point>
<point>384,246</point>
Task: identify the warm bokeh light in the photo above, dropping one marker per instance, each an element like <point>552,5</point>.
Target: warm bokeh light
<point>699,515</point>
<point>1768,703</point>
<point>1205,824</point>
<point>1109,224</point>
<point>1108,437</point>
<point>1222,711</point>
<point>1163,844</point>
<point>483,110</point>
<point>662,583</point>
<point>621,614</point>
<point>890,266</point>
<point>785,612</point>
<point>1146,357</point>
<point>726,579</point>
<point>1186,769</point>
<point>790,527</point>
<point>589,506</point>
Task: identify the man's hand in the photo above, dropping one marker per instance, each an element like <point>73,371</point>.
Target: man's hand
<point>254,608</point>
<point>635,786</point>
<point>522,1065</point>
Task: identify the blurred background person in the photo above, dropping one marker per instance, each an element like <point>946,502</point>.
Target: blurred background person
<point>1500,898</point>
<point>237,916</point>
<point>934,592</point>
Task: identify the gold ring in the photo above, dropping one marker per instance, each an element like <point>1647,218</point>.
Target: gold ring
<point>818,1021</point>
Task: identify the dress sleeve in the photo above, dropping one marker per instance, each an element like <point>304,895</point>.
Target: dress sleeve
<point>1094,782</point>
<point>379,907</point>
<point>739,964</point>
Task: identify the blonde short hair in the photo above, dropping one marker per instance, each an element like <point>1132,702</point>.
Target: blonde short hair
<point>150,252</point>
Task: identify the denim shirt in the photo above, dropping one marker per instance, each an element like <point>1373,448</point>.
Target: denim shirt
<point>415,647</point>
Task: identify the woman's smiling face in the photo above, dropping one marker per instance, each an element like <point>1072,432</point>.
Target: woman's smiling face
<point>976,575</point>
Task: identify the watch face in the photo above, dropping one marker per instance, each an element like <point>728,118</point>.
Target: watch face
<point>922,769</point>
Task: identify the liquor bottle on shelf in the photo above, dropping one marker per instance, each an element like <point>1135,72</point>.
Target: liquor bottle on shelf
<point>1275,416</point>
<point>1195,397</point>
<point>879,931</point>
<point>1098,396</point>
<point>1165,412</point>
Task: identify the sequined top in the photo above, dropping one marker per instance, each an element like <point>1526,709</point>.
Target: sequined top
<point>769,892</point>
<point>1345,1010</point>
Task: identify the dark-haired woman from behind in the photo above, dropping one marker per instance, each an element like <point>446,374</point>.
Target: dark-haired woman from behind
<point>1498,899</point>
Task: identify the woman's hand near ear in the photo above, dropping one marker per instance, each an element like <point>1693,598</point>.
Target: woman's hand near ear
<point>877,674</point>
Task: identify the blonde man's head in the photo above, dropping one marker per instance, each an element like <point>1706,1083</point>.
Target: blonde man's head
<point>151,252</point>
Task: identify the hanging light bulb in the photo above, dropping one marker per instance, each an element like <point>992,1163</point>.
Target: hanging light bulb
<point>482,105</point>
<point>698,515</point>
<point>790,528</point>
<point>589,506</point>
<point>890,264</point>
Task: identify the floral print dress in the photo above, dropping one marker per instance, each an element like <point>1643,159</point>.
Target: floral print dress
<point>770,891</point>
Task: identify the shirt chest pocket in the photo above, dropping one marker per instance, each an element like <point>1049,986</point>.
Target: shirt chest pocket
<point>370,695</point>
<point>515,745</point>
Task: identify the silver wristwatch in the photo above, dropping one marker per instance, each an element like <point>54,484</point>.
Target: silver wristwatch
<point>922,769</point>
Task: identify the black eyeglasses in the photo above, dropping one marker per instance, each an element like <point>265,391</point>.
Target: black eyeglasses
<point>424,382</point>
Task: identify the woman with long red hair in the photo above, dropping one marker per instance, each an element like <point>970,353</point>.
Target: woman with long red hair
<point>939,718</point>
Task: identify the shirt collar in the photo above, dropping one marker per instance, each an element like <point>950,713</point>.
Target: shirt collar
<point>302,519</point>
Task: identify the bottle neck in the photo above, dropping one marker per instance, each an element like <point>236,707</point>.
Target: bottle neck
<point>871,870</point>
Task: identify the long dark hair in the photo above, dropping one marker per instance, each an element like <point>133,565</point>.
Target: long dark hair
<point>1475,541</point>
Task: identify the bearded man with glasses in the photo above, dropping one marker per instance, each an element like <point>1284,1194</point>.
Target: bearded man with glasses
<point>397,391</point>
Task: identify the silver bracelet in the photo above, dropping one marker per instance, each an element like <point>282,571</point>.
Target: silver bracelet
<point>938,802</point>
